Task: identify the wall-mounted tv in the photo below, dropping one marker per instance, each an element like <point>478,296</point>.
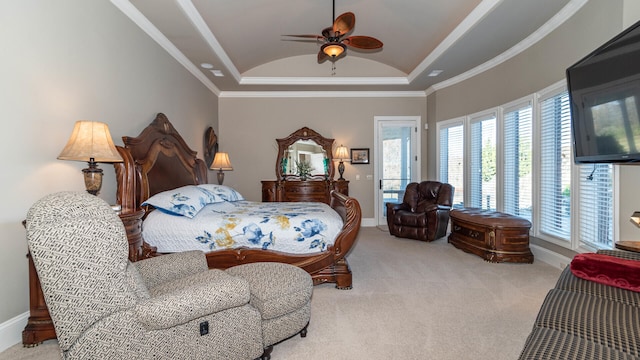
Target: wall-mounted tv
<point>604,91</point>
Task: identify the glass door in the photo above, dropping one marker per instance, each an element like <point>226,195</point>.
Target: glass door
<point>397,160</point>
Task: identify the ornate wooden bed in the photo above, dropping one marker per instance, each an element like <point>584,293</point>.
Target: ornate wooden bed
<point>159,160</point>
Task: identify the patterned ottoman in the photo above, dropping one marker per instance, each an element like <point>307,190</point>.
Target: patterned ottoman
<point>492,235</point>
<point>282,294</point>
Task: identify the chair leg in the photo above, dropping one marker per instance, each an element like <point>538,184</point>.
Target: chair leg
<point>266,354</point>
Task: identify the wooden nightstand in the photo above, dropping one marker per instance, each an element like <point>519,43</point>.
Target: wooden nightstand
<point>133,224</point>
<point>39,326</point>
<point>628,245</point>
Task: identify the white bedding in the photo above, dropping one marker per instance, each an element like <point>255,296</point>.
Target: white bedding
<point>294,227</point>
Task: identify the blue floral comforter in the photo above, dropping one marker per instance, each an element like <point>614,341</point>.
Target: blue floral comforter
<point>294,227</point>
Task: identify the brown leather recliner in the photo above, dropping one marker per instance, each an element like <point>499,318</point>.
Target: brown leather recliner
<point>423,213</point>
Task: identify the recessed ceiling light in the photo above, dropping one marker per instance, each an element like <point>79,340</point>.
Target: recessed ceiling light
<point>206,66</point>
<point>217,73</point>
<point>435,73</point>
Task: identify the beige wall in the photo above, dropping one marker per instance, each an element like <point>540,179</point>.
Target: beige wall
<point>249,128</point>
<point>538,67</point>
<point>75,59</point>
<point>64,61</point>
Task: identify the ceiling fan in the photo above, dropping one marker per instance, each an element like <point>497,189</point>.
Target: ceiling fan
<point>336,40</point>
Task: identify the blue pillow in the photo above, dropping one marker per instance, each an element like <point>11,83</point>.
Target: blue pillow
<point>222,193</point>
<point>186,201</point>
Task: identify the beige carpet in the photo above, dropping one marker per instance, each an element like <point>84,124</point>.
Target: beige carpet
<point>410,300</point>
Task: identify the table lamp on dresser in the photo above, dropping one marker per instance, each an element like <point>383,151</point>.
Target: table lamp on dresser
<point>342,154</point>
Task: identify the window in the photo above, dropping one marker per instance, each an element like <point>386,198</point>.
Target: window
<point>482,190</point>
<point>451,168</point>
<point>596,211</point>
<point>518,161</point>
<point>519,148</point>
<point>555,166</point>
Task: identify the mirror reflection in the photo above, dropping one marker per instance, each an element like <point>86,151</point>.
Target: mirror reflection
<point>302,153</point>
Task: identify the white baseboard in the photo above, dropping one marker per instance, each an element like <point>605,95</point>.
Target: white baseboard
<point>11,331</point>
<point>549,257</point>
<point>368,222</point>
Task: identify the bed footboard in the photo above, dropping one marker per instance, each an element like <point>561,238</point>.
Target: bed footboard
<point>329,266</point>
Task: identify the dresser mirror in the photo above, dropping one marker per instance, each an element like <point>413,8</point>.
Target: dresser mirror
<point>305,145</point>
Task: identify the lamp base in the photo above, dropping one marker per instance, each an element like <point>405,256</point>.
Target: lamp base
<point>220,177</point>
<point>341,170</point>
<point>92,177</point>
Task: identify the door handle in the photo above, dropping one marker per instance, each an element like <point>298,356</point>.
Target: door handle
<point>380,184</point>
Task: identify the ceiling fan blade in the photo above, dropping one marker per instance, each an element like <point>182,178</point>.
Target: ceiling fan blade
<point>362,42</point>
<point>344,23</point>
<point>307,36</point>
<point>322,56</point>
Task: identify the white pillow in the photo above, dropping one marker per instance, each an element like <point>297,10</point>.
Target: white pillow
<point>222,192</point>
<point>186,201</point>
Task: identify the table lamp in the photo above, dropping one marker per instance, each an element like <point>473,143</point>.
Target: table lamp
<point>342,154</point>
<point>91,141</point>
<point>221,162</point>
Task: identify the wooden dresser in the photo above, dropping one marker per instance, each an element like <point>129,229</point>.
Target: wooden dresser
<point>298,190</point>
<point>304,145</point>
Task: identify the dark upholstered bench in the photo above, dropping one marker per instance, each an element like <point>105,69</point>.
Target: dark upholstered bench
<point>492,235</point>
<point>582,319</point>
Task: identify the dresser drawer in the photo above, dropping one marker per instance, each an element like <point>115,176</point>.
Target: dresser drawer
<point>306,191</point>
<point>297,190</point>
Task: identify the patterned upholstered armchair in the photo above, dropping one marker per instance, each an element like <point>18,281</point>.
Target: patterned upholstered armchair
<point>423,213</point>
<point>105,307</point>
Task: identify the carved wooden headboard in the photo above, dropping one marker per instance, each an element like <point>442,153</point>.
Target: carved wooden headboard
<point>156,160</point>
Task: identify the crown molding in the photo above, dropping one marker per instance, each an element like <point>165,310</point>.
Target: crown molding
<point>478,13</point>
<point>136,16</point>
<point>558,19</point>
<point>324,81</point>
<point>323,94</point>
<point>198,22</point>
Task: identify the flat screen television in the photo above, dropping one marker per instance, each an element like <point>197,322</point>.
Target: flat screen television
<point>604,92</point>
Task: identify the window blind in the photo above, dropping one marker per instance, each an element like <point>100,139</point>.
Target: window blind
<point>555,166</point>
<point>483,163</point>
<point>596,205</point>
<point>452,160</point>
<point>518,161</point>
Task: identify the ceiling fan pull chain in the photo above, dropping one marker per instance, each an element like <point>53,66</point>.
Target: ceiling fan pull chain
<point>333,68</point>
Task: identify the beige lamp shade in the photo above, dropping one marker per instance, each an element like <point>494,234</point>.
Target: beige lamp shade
<point>90,139</point>
<point>342,153</point>
<point>333,49</point>
<point>635,218</point>
<point>221,162</point>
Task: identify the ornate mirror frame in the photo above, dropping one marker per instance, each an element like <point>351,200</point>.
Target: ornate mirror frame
<point>304,134</point>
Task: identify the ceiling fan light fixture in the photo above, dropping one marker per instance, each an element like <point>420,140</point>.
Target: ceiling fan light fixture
<point>333,49</point>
